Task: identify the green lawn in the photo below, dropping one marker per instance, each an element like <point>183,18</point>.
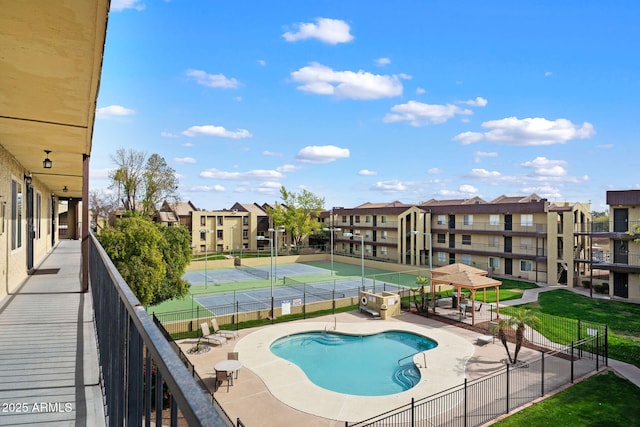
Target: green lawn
<point>601,400</point>
<point>623,319</point>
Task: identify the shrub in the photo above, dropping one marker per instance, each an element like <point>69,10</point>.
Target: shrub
<point>586,283</point>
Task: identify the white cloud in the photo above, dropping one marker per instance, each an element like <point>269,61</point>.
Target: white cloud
<point>211,130</point>
<point>287,168</point>
<point>262,62</point>
<point>468,189</point>
<point>420,91</point>
<point>478,102</point>
<point>184,160</point>
<point>381,62</point>
<point>269,187</point>
<point>322,154</point>
<point>479,155</point>
<point>253,175</point>
<point>120,5</point>
<point>547,191</point>
<point>168,135</point>
<point>271,153</point>
<point>605,146</point>
<point>484,174</point>
<point>207,188</point>
<point>188,144</point>
<point>392,186</point>
<point>545,167</point>
<point>547,73</point>
<point>528,132</point>
<point>434,171</point>
<point>113,111</point>
<point>367,172</point>
<point>322,80</point>
<point>331,31</point>
<point>421,114</point>
<point>213,80</point>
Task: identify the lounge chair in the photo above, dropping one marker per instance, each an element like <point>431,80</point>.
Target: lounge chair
<point>223,332</point>
<point>212,338</point>
<point>233,355</point>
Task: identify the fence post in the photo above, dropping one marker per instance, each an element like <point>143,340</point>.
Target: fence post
<point>598,350</point>
<point>606,345</point>
<point>542,373</point>
<point>413,409</point>
<point>507,396</point>
<point>304,301</point>
<point>572,362</point>
<point>466,409</point>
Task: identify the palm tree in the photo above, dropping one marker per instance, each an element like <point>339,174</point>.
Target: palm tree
<point>520,318</point>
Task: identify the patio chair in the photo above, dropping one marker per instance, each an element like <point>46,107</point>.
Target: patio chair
<point>223,332</point>
<point>222,376</point>
<point>233,355</point>
<point>212,338</point>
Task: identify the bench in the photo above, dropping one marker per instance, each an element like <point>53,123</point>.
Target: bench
<point>485,339</point>
<point>370,311</point>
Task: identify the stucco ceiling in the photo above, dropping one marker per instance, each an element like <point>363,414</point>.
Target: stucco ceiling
<point>50,62</point>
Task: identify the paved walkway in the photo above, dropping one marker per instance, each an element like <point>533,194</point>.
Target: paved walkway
<point>48,353</point>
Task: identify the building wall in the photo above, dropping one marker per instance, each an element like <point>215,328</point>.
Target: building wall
<point>13,262</point>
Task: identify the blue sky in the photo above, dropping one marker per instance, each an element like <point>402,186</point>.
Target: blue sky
<point>375,101</point>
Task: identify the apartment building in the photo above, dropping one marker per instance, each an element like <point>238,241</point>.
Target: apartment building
<point>230,230</point>
<point>522,237</point>
<point>620,256</point>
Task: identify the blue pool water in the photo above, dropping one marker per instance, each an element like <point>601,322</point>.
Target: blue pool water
<point>359,365</point>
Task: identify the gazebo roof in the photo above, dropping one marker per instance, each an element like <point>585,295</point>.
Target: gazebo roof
<point>457,268</point>
<point>465,279</point>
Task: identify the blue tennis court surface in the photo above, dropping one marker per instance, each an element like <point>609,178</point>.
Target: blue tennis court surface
<point>227,275</point>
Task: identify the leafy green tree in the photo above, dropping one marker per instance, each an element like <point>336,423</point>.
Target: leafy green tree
<point>160,183</point>
<point>298,213</point>
<point>150,258</point>
<point>520,318</point>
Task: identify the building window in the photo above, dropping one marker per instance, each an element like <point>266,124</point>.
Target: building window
<point>245,220</point>
<point>494,263</point>
<point>526,220</point>
<point>245,234</point>
<point>357,219</point>
<point>219,234</point>
<point>367,219</point>
<point>367,248</point>
<point>383,235</point>
<point>344,219</point>
<point>442,219</point>
<point>494,219</point>
<point>442,257</point>
<point>466,259</point>
<point>494,241</point>
<point>220,220</point>
<point>16,214</point>
<point>526,243</point>
<point>442,238</point>
<point>526,266</point>
<point>203,235</point>
<point>383,219</point>
<point>383,250</point>
<point>466,239</point>
<point>203,221</point>
<point>468,220</point>
<point>203,248</point>
<point>367,234</point>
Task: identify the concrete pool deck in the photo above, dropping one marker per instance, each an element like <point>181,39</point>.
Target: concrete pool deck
<point>273,392</point>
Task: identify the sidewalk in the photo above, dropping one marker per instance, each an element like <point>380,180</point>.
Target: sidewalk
<point>48,353</point>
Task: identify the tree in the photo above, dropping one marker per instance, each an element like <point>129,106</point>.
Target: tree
<point>298,214</point>
<point>151,258</point>
<point>421,305</point>
<point>160,183</point>
<point>101,205</point>
<point>142,182</point>
<point>520,318</point>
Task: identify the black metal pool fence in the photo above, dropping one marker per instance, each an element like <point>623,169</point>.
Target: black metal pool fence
<point>479,401</point>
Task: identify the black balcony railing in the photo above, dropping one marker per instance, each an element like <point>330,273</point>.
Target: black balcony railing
<point>143,378</point>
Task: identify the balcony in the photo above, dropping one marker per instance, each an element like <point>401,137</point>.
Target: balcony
<point>65,352</point>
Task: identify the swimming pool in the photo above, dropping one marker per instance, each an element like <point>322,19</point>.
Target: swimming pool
<point>364,365</point>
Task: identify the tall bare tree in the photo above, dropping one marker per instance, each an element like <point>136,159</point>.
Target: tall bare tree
<point>127,178</point>
<point>160,183</point>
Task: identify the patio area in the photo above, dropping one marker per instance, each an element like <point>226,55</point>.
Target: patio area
<point>264,394</point>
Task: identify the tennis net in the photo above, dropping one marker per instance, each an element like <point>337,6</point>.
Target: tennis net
<point>318,292</point>
<point>262,274</point>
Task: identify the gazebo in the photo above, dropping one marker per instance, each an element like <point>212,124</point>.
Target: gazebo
<point>462,276</point>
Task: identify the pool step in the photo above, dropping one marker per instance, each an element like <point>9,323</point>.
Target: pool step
<point>407,376</point>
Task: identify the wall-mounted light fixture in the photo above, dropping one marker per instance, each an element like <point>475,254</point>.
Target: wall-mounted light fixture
<point>47,163</point>
<point>65,189</point>
<point>27,179</point>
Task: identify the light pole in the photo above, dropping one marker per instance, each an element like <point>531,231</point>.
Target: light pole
<point>279,229</point>
<point>271,268</point>
<point>361,252</point>
<point>206,256</point>
<point>433,294</point>
<point>332,229</point>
